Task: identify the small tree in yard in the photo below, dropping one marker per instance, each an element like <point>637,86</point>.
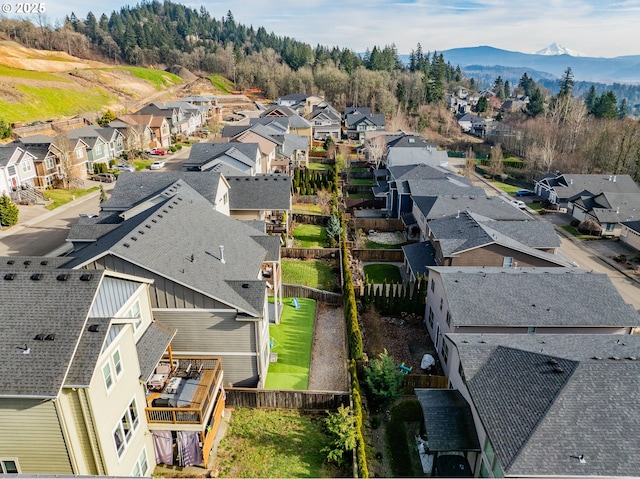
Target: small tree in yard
<point>341,427</point>
<point>383,380</point>
<point>496,159</point>
<point>8,211</point>
<point>333,230</point>
<point>103,194</point>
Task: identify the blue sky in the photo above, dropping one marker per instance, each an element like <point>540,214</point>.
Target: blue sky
<point>591,27</point>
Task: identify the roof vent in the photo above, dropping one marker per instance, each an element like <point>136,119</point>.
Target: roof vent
<point>11,261</point>
<point>557,369</point>
<point>140,232</point>
<point>36,276</point>
<point>62,276</point>
<point>552,362</point>
<point>614,358</point>
<point>39,337</point>
<point>148,226</point>
<point>154,220</point>
<point>222,260</point>
<point>44,263</point>
<point>126,245</point>
<point>94,328</point>
<point>50,337</point>
<point>164,211</point>
<point>27,263</point>
<point>597,358</point>
<point>245,285</point>
<point>9,276</point>
<point>134,238</point>
<point>86,277</point>
<point>631,358</point>
<point>160,216</point>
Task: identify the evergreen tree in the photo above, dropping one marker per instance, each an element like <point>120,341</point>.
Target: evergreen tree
<point>590,99</point>
<point>5,130</point>
<point>535,106</point>
<point>507,89</point>
<point>498,88</point>
<point>606,106</point>
<point>622,109</point>
<point>482,105</point>
<point>8,211</point>
<point>566,83</point>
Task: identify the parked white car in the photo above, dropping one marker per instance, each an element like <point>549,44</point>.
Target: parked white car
<point>518,204</point>
<point>156,165</point>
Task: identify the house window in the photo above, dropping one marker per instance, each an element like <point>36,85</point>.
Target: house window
<point>79,153</point>
<point>445,351</point>
<point>108,378</point>
<point>507,262</point>
<point>134,312</point>
<point>449,318</point>
<point>441,302</point>
<point>49,180</point>
<point>142,464</point>
<point>430,318</point>
<point>126,427</point>
<point>26,166</point>
<point>117,362</point>
<point>11,170</point>
<point>98,150</point>
<point>531,330</point>
<point>461,373</point>
<point>433,286</point>
<point>610,226</point>
<point>49,163</point>
<point>225,198</point>
<point>9,466</point>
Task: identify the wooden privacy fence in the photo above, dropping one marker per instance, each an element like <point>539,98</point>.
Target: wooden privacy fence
<point>309,253</point>
<point>412,381</point>
<point>271,399</point>
<point>318,220</point>
<point>299,291</point>
<point>379,224</point>
<point>384,255</point>
<point>376,204</point>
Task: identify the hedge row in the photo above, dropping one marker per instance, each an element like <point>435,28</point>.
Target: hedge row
<point>361,456</point>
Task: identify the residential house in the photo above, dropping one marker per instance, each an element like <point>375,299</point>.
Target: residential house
<point>158,126</point>
<point>263,137</point>
<point>58,160</point>
<point>630,233</point>
<point>195,115</point>
<point>522,300</point>
<point>457,105</point>
<point>326,122</point>
<point>607,209</point>
<point>296,123</point>
<point>231,159</point>
<point>559,189</point>
<point>358,124</point>
<point>98,148</point>
<point>115,140</point>
<point>208,106</point>
<point>265,198</point>
<point>175,115</point>
<point>552,405</point>
<point>469,239</point>
<point>210,283</point>
<point>136,137</point>
<point>427,208</point>
<point>17,168</point>
<point>414,150</point>
<point>473,124</point>
<point>398,183</point>
<point>292,99</point>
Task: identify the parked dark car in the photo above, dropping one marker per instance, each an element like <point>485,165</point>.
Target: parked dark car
<point>525,193</point>
<point>104,177</point>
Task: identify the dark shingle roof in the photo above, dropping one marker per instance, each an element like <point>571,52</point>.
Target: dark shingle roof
<point>241,155</point>
<point>260,192</point>
<point>633,225</point>
<point>491,207</point>
<point>445,186</point>
<point>29,263</point>
<point>448,420</point>
<point>151,346</point>
<point>420,257</point>
<point>89,349</point>
<point>37,302</point>
<point>192,259</point>
<point>534,297</point>
<point>593,413</point>
<point>133,188</point>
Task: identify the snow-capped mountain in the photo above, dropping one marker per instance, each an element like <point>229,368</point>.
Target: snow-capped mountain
<point>557,49</point>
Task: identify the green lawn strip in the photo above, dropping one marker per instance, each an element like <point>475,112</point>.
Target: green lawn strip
<point>159,78</point>
<point>361,181</point>
<point>61,197</point>
<point>140,165</point>
<point>315,274</point>
<point>574,231</point>
<point>535,206</point>
<point>377,273</point>
<point>359,170</point>
<point>38,103</point>
<point>292,340</point>
<point>319,166</point>
<point>221,83</point>
<point>6,71</point>
<point>310,236</point>
<point>280,443</point>
<point>306,209</point>
<point>360,196</point>
<point>374,245</point>
<point>508,189</point>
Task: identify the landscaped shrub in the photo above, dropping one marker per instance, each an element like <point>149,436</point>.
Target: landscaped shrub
<point>342,432</point>
<point>383,380</point>
<point>8,211</point>
<point>100,168</point>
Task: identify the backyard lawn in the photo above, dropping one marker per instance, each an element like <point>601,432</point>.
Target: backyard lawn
<point>319,166</point>
<point>373,245</point>
<point>292,340</point>
<point>61,197</point>
<point>306,209</point>
<point>361,181</point>
<point>261,443</point>
<point>315,274</point>
<point>309,236</point>
<point>378,273</point>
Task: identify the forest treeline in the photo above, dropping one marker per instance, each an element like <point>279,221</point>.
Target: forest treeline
<point>573,130</point>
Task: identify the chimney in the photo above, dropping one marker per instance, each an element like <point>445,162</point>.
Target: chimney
<point>614,178</point>
<point>222,254</point>
<point>610,177</point>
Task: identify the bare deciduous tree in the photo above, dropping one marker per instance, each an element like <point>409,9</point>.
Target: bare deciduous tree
<point>377,150</point>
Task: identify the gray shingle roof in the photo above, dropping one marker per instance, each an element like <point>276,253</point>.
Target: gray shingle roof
<point>6,152</point>
<point>29,263</point>
<point>151,346</point>
<point>241,153</point>
<point>593,413</point>
<point>133,188</point>
<point>89,348</point>
<point>46,305</point>
<point>410,141</point>
<point>159,250</point>
<point>445,186</point>
<point>533,297</point>
<point>260,192</point>
<point>633,225</point>
<point>414,156</point>
<point>420,257</point>
<point>536,234</point>
<point>573,185</point>
<point>491,207</point>
<point>421,172</point>
<point>448,420</point>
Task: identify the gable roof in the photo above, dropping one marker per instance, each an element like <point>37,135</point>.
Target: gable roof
<point>540,425</point>
<point>569,186</point>
<point>533,297</point>
<point>242,156</point>
<point>451,185</point>
<point>633,225</point>
<point>135,187</point>
<point>420,257</point>
<point>192,260</point>
<point>610,207</point>
<point>260,192</point>
<point>410,141</point>
<point>35,302</point>
<point>414,156</point>
<point>493,207</point>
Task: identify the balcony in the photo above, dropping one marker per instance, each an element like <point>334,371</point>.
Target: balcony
<point>184,393</point>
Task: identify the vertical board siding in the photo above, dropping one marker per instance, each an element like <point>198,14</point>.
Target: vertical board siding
<point>31,432</point>
<point>81,442</point>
